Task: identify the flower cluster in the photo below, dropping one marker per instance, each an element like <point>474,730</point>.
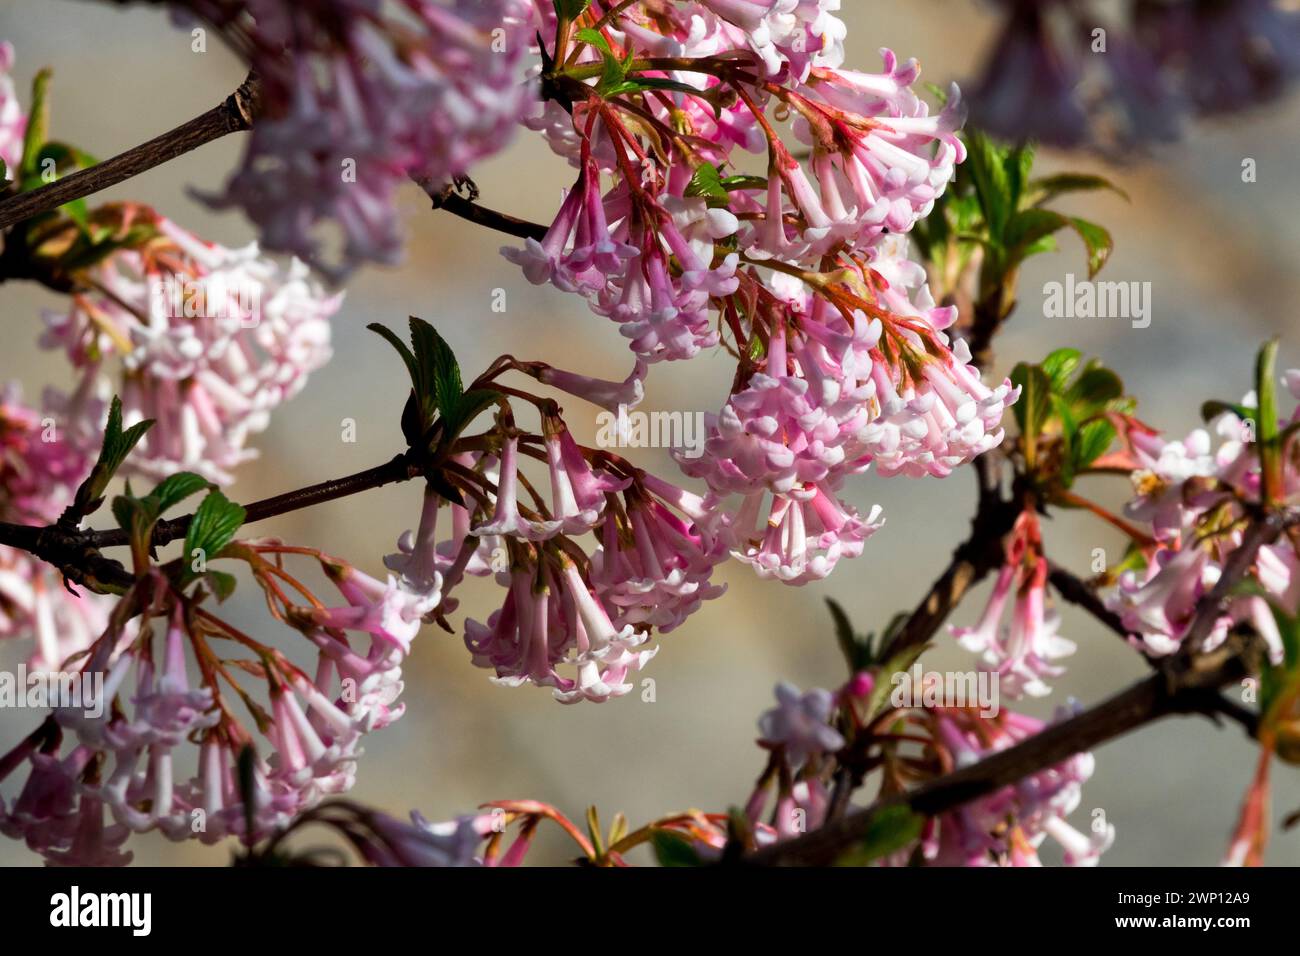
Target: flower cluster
<point>589,608</point>
<point>1070,73</point>
<point>1195,499</point>
<point>843,356</point>
<point>1021,656</point>
<point>209,341</point>
<point>160,750</point>
<point>1007,827</point>
<point>357,98</point>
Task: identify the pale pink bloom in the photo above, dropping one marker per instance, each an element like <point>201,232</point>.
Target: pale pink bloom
<point>799,34</point>
<point>210,340</point>
<point>507,519</point>
<point>551,619</point>
<point>608,395</point>
<point>1023,656</point>
<point>577,491</point>
<point>799,724</point>
<point>416,560</point>
<point>13,119</point>
<point>655,570</point>
<point>803,536</point>
<point>359,98</point>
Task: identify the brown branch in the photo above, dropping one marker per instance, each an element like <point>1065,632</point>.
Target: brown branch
<point>398,468</point>
<point>76,554</point>
<point>460,199</point>
<point>1081,594</point>
<point>235,114</point>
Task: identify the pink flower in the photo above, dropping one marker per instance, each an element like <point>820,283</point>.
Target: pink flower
<point>799,724</point>
<point>804,535</point>
<point>356,99</point>
<point>13,120</point>
<point>1023,656</point>
<point>1006,827</point>
<point>653,567</point>
<point>210,341</point>
<point>507,519</point>
<point>551,619</point>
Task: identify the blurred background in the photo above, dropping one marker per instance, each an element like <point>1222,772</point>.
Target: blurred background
<point>1220,255</point>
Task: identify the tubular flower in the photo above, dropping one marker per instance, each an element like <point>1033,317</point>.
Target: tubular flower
<point>551,618</point>
<point>1023,655</point>
<point>13,120</point>
<point>210,340</point>
<point>161,751</point>
<point>1192,496</point>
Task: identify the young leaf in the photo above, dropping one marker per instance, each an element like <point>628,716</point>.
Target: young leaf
<point>1094,438</point>
<point>38,131</point>
<point>1034,406</point>
<point>1049,187</point>
<point>1097,240</point>
<point>673,850</point>
<point>116,446</point>
<point>1060,365</point>
<point>174,489</point>
<point>706,181</point>
<point>212,528</point>
<point>888,831</point>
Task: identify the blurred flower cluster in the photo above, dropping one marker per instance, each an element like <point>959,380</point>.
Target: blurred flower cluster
<point>1071,73</point>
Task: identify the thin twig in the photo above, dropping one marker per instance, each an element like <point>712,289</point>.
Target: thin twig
<point>234,115</point>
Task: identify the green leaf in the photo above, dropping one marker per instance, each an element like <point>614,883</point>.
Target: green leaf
<point>212,528</point>
<point>732,183</point>
<point>706,181</point>
<point>439,379</point>
<point>858,652</point>
<point>1094,438</point>
<point>1267,426</point>
<point>116,446</point>
<point>1018,163</point>
<point>988,173</point>
<point>673,850</point>
<point>1060,365</point>
<point>1034,406</point>
<point>220,583</point>
<point>1049,187</point>
<point>174,489</point>
<point>888,831</point>
<point>1094,389</point>
<point>38,129</point>
<point>1029,227</point>
<point>898,663</point>
<point>570,9</point>
<point>1097,240</point>
<point>596,39</point>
